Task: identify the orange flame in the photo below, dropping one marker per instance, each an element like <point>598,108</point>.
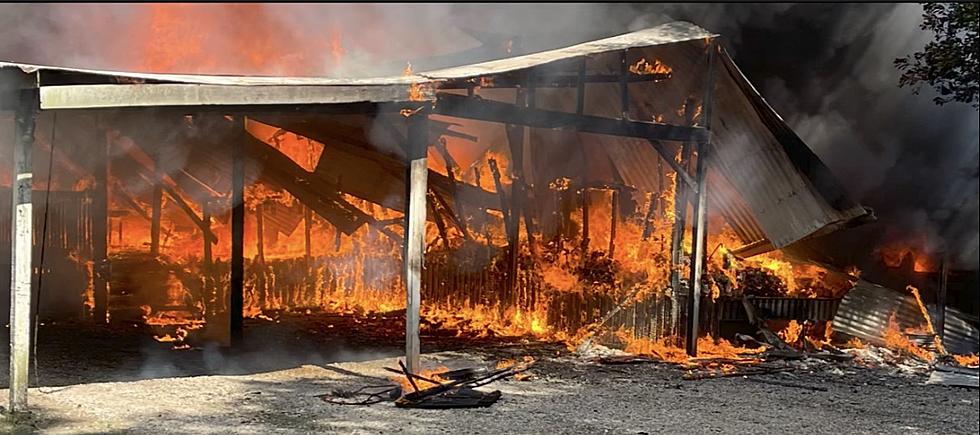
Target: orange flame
<point>642,67</point>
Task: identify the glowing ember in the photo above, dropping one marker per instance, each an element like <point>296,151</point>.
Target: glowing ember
<point>971,360</point>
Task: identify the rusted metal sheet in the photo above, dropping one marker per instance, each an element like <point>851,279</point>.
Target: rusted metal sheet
<point>867,308</point>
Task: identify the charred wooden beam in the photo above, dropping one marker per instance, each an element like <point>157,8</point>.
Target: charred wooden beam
<point>414,245</point>
<point>699,236</point>
<point>236,303</point>
<point>940,326</point>
<point>21,246</point>
<point>699,230</point>
<point>495,111</point>
<point>677,167</point>
<point>100,227</point>
<point>208,260</point>
<point>613,222</point>
<point>157,205</point>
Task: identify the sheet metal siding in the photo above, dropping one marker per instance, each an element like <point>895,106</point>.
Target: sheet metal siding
<point>866,309</point>
<point>816,309</point>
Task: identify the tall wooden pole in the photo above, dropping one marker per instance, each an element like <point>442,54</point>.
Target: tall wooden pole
<point>21,246</point>
<point>100,226</point>
<point>699,228</point>
<point>237,297</point>
<point>941,297</point>
<point>157,203</point>
<point>209,290</point>
<point>416,175</point>
<point>698,241</point>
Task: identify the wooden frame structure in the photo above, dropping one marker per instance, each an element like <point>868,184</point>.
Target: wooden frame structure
<point>416,97</point>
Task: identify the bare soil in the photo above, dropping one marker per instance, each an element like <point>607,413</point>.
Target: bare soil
<point>117,380</point>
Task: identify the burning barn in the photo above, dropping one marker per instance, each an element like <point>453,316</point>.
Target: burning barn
<point>638,182</point>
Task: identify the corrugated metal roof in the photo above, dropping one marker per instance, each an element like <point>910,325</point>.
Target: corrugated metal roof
<point>766,182</point>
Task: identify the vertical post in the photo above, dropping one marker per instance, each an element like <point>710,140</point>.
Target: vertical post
<point>237,284</point>
<point>307,237</point>
<point>580,89</point>
<point>100,227</point>
<point>699,228</point>
<point>209,292</point>
<point>157,204</point>
<point>515,140</point>
<point>21,247</point>
<point>698,241</point>
<point>261,285</point>
<point>585,222</point>
<point>941,298</point>
<point>614,216</point>
<point>624,86</point>
<point>416,180</point>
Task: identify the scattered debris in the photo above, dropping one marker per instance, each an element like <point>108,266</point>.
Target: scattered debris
<point>955,376</point>
<point>442,389</point>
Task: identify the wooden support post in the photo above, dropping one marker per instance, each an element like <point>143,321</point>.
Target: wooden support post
<point>699,228</point>
<point>940,325</point>
<point>236,302</point>
<point>308,237</point>
<point>21,247</point>
<point>209,292</point>
<point>612,222</point>
<point>100,227</point>
<point>580,88</point>
<point>515,141</point>
<point>416,178</point>
<point>157,203</point>
<point>624,89</point>
<point>698,244</point>
<point>585,222</point>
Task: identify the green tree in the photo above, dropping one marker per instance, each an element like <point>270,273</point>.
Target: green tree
<point>949,63</point>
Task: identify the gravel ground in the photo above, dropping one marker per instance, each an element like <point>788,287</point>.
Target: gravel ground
<point>180,392</point>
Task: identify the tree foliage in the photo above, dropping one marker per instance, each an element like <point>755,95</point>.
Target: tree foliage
<point>949,63</point>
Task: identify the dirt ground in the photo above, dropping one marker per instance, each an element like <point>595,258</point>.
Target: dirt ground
<point>118,382</point>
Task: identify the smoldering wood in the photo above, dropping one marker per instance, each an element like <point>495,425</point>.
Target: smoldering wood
<point>21,247</point>
<point>493,111</point>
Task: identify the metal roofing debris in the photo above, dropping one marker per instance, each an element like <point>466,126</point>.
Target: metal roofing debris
<point>866,309</point>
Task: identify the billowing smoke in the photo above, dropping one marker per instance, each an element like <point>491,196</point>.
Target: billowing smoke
<point>826,68</point>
